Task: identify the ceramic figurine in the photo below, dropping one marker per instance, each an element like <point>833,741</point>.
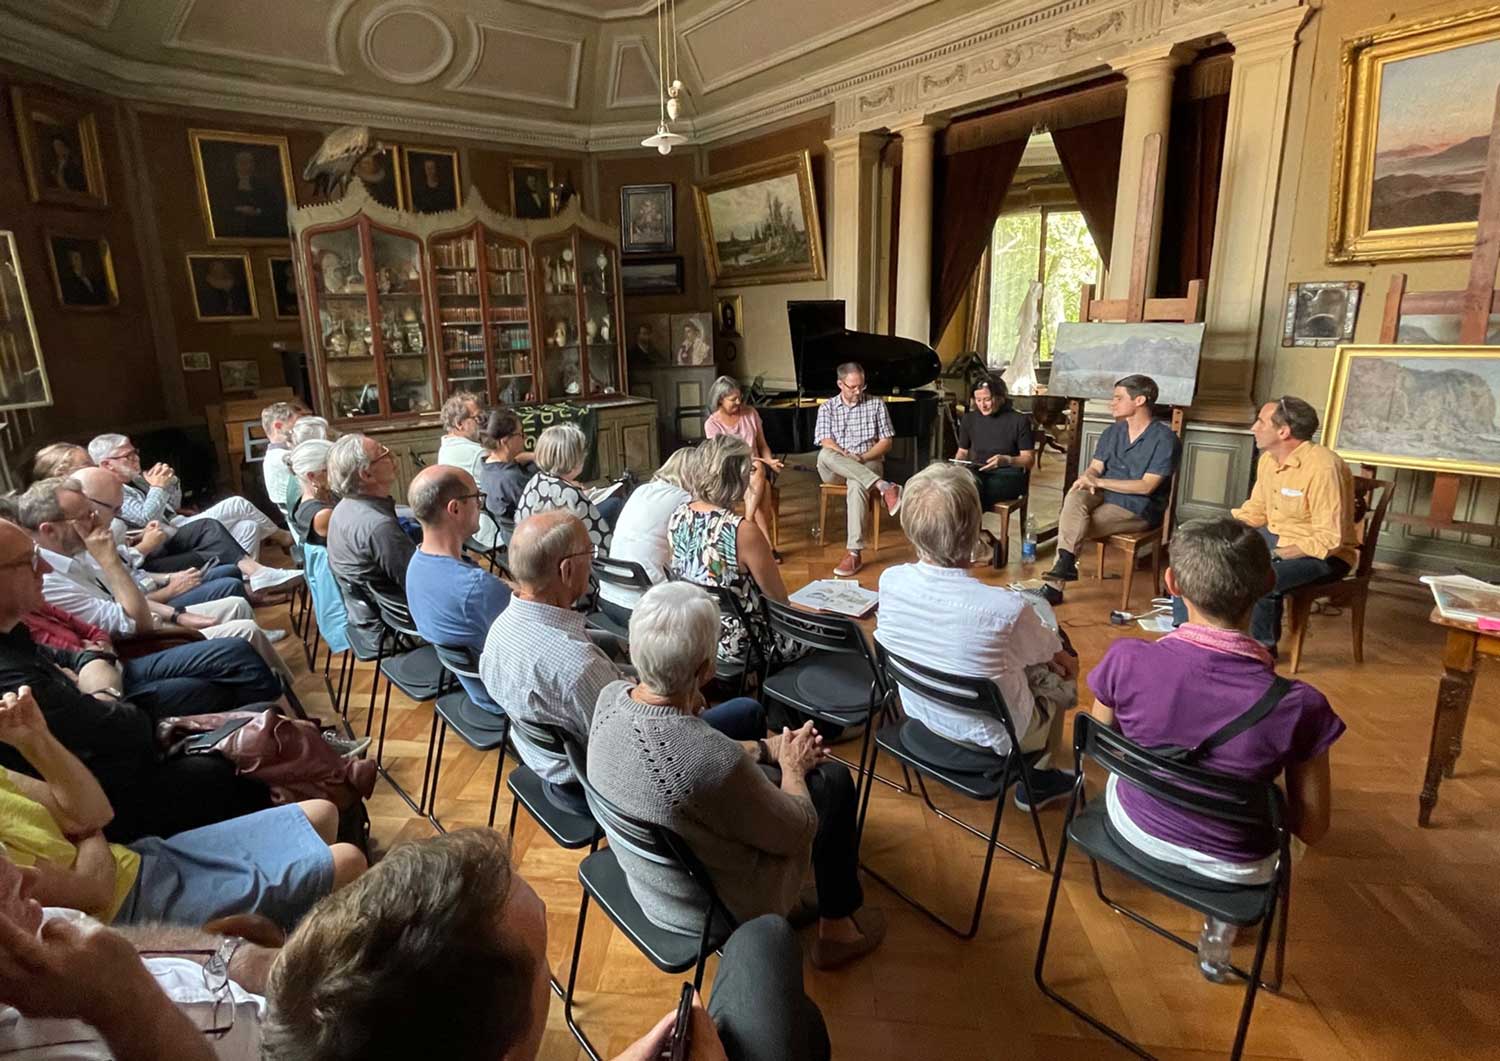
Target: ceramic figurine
<point>605,328</point>
<point>591,329</point>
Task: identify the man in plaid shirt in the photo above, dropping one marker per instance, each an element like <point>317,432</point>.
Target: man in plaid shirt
<point>854,432</point>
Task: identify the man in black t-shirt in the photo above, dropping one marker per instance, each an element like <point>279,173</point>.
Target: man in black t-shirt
<point>997,440</point>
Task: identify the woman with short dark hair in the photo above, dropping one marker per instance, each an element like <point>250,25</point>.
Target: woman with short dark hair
<point>996,441</point>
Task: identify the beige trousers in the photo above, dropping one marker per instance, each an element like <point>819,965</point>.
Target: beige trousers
<point>860,479</point>
<point>1087,516</point>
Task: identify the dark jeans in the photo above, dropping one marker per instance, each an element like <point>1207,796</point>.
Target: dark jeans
<point>610,508</point>
<point>223,580</point>
<point>199,678</point>
<point>758,1002</point>
<point>194,544</point>
<point>835,852</point>
<point>999,484</point>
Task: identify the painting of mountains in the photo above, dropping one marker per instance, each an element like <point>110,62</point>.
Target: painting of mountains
<point>1088,358</point>
<point>1432,136</point>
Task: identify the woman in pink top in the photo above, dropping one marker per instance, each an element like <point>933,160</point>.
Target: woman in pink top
<point>729,415</point>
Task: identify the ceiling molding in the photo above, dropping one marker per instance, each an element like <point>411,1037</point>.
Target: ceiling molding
<point>583,9</point>
<point>386,11</point>
<point>478,28</point>
<point>614,100</point>
<point>101,17</point>
<point>173,39</point>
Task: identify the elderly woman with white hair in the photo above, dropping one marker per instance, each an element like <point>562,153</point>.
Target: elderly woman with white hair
<point>729,415</point>
<point>308,463</point>
<point>640,534</point>
<point>754,813</point>
<point>561,453</point>
<point>936,612</point>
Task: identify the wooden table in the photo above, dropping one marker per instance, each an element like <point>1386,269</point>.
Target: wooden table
<point>1466,643</point>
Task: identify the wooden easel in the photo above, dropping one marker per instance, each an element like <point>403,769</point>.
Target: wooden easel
<point>1473,306</point>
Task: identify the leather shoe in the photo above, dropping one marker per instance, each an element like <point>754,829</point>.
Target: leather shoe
<point>832,954</point>
<point>849,565</point>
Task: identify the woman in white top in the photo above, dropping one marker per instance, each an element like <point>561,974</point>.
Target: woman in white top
<point>641,531</point>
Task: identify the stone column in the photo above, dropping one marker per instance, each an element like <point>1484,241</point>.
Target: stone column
<point>1148,109</point>
<point>914,244</point>
<point>1259,92</point>
<point>853,217</point>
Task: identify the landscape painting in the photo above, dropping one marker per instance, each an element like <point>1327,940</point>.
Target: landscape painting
<point>1088,358</point>
<point>1418,102</point>
<point>760,223</point>
<point>1432,409</point>
<point>1440,329</point>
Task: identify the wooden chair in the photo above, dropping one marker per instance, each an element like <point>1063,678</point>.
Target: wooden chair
<point>1003,509</point>
<point>1157,537</point>
<point>1371,498</point>
<point>827,490</point>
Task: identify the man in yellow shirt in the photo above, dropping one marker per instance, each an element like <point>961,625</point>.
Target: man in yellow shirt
<point>1303,505</point>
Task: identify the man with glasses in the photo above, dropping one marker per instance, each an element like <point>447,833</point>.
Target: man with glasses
<point>463,418</point>
<point>367,548</point>
<point>854,434</point>
<point>453,600</point>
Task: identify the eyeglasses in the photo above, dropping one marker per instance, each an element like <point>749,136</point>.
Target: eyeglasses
<point>852,388</point>
<point>35,560</point>
<point>215,981</point>
<point>382,455</point>
<point>477,495</point>
<point>129,454</point>
<point>113,510</point>
<point>582,552</point>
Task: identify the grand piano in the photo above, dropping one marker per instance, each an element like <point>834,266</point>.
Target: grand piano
<point>894,369</point>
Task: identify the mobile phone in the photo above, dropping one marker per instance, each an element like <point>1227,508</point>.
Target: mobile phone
<point>682,1031</point>
<point>203,571</point>
<point>955,460</point>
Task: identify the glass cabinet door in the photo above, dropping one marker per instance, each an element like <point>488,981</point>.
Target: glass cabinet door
<point>559,269</point>
<point>397,266</point>
<point>455,266</point>
<point>337,268</point>
<point>598,282</point>
<point>508,306</point>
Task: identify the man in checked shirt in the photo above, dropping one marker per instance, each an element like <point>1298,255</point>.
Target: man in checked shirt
<point>855,433</point>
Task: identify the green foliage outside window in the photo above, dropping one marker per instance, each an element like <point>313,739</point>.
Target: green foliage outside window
<point>1016,259</point>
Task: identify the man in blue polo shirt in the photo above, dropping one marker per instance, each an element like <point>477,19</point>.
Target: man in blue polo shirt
<point>453,600</point>
<point>1125,487</point>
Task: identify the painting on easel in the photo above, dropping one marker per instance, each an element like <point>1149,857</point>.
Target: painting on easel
<point>1428,408</point>
<point>1088,358</point>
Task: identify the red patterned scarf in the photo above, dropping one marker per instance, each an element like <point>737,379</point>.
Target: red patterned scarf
<point>1217,639</point>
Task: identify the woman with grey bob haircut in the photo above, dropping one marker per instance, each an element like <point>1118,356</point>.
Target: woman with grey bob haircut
<point>728,414</point>
<point>561,453</point>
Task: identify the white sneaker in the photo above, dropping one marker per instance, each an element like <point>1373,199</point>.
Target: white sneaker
<point>273,578</point>
<point>274,634</point>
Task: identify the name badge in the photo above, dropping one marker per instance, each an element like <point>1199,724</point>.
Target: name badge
<point>1287,491</point>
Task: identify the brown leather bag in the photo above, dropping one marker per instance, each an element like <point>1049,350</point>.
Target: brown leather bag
<point>288,755</point>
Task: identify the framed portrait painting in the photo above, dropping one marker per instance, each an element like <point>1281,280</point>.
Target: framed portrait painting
<point>648,338</point>
<point>760,223</point>
<point>431,179</point>
<point>283,288</point>
<point>244,185</point>
<point>531,190</point>
<point>729,316</point>
<point>23,372</point>
<point>239,375</point>
<point>692,339</point>
<point>83,273</point>
<point>59,149</point>
<point>1321,312</point>
<point>380,173</point>
<point>646,221</point>
<point>222,288</point>
<point>1431,408</point>
<point>1417,102</point>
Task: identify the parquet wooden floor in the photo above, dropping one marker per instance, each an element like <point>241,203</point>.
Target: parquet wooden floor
<point>1393,937</point>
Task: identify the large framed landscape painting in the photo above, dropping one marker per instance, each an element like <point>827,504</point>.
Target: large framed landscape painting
<point>760,223</point>
<point>1414,127</point>
<point>1088,358</point>
<point>1430,408</point>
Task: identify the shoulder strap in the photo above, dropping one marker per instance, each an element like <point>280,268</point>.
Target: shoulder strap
<point>1273,695</point>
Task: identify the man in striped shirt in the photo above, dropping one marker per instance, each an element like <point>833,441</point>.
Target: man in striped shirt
<point>854,432</point>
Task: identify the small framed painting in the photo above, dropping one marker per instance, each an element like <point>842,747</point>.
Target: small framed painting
<point>83,273</point>
<point>729,316</point>
<point>1321,312</point>
<point>432,184</point>
<point>531,190</point>
<point>284,288</point>
<point>692,339</point>
<point>59,149</point>
<point>222,289</point>
<point>239,375</point>
<point>646,219</point>
<point>651,276</point>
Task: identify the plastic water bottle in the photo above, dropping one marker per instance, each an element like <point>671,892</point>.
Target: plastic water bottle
<point>1028,543</point>
<point>1214,944</point>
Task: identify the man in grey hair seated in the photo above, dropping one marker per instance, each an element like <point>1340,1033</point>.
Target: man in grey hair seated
<point>367,549</point>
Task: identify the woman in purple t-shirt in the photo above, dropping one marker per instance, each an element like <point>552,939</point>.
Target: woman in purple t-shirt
<point>729,415</point>
<point>1192,683</point>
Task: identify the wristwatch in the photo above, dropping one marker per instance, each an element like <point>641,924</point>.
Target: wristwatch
<point>763,756</point>
<point>177,615</point>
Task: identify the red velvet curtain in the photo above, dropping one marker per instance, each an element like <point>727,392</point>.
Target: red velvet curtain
<point>1090,156</point>
<point>970,190</point>
<point>1195,157</point>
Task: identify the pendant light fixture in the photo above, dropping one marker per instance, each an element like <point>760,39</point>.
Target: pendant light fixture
<point>669,88</point>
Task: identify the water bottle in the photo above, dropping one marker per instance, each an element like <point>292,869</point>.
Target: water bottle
<point>1214,943</point>
<point>1028,543</point>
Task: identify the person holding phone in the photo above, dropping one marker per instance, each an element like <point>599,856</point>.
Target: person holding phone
<point>995,443</point>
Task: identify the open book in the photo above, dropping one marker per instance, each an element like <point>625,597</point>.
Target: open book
<point>838,595</point>
<point>602,493</point>
<point>1463,598</point>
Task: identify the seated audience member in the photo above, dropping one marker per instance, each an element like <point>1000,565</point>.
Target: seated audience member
<point>996,438</point>
<point>114,737</point>
<point>453,600</point>
<point>277,420</point>
<point>713,546</point>
<point>539,663</point>
<point>853,433</point>
<point>753,829</point>
<point>1303,506</point>
<point>367,549</point>
<point>1185,687</point>
<point>463,420</point>
<point>155,494</point>
<point>1124,489</point>
<point>936,613</point>
<point>730,415</point>
<point>275,862</point>
<point>504,474</point>
<point>310,427</point>
<point>641,531</point>
<point>58,459</point>
<point>561,452</point>
<point>440,950</point>
<point>313,509</point>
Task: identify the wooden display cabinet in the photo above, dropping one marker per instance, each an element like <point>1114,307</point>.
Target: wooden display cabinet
<point>481,287</point>
<point>581,346</point>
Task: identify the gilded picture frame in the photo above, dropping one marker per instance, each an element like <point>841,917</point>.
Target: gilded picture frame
<point>59,149</point>
<point>23,369</point>
<point>531,190</point>
<point>431,179</point>
<point>759,223</point>
<point>223,287</point>
<point>242,202</point>
<point>1408,158</point>
<point>83,272</point>
<point>1428,408</point>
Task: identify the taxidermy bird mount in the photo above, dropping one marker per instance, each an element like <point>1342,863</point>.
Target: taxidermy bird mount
<point>334,163</point>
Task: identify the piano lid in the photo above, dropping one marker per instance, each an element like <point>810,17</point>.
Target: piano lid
<point>820,343</point>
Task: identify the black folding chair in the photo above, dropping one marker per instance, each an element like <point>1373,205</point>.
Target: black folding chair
<point>604,881</point>
<point>494,555</point>
<point>1255,804</point>
<point>626,574</point>
<point>480,729</point>
<point>989,781</point>
<point>738,672</point>
<point>411,665</point>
